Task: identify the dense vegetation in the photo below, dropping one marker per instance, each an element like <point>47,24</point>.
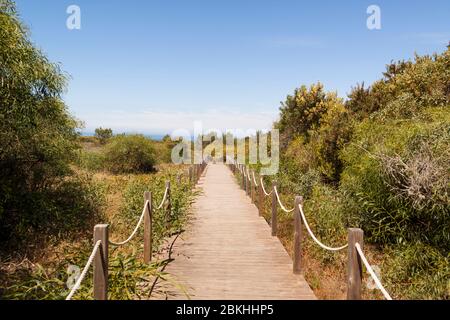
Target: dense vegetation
<point>379,160</point>
<point>39,191</point>
<point>55,186</point>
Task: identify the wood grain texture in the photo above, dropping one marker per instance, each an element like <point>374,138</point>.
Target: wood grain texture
<point>228,252</point>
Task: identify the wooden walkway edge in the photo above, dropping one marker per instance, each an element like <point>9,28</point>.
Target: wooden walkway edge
<point>227,251</point>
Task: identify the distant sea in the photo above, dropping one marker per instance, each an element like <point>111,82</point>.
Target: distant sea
<point>155,137</point>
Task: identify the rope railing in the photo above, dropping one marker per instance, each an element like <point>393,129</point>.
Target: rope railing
<point>164,198</point>
<point>254,179</point>
<point>99,255</point>
<point>371,272</point>
<point>280,203</point>
<point>264,189</point>
<point>118,244</point>
<point>356,257</point>
<point>80,279</point>
<point>248,175</point>
<point>314,237</point>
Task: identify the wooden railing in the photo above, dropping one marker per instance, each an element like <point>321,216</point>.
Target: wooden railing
<point>102,240</point>
<point>354,246</point>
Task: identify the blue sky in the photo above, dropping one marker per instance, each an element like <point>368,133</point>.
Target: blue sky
<point>155,66</point>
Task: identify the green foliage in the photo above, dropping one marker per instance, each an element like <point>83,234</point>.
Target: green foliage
<point>103,135</point>
<point>90,160</point>
<point>325,212</point>
<point>327,141</point>
<point>163,151</point>
<point>380,162</point>
<point>38,139</point>
<point>303,111</point>
<point>165,223</point>
<point>129,278</point>
<point>314,126</point>
<point>417,271</point>
<point>130,154</point>
<point>398,174</point>
<point>406,89</point>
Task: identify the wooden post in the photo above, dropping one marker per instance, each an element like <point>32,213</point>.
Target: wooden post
<point>190,175</point>
<point>260,199</point>
<point>274,210</point>
<point>101,263</point>
<point>354,267</point>
<point>247,185</point>
<point>243,180</point>
<point>169,203</point>
<point>297,266</point>
<point>148,236</point>
<point>252,187</point>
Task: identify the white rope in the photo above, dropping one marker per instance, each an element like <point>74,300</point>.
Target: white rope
<point>264,189</point>
<point>135,229</point>
<point>249,177</point>
<point>164,198</point>
<point>254,179</point>
<point>279,201</point>
<point>372,273</point>
<point>85,270</point>
<point>314,237</point>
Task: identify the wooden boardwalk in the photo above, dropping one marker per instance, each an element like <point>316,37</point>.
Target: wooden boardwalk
<point>228,252</point>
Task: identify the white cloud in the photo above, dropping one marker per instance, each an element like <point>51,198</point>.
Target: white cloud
<point>159,122</point>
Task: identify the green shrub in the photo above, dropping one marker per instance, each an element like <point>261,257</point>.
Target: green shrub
<point>38,139</point>
<point>398,174</point>
<point>103,135</point>
<point>417,271</point>
<point>70,206</point>
<point>90,160</point>
<point>303,111</point>
<point>327,140</point>
<point>130,154</point>
<point>163,151</point>
<point>164,222</point>
<point>326,215</point>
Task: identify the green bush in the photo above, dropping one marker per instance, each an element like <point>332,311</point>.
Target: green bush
<point>130,154</point>
<point>90,160</point>
<point>38,139</point>
<point>398,174</point>
<point>303,111</point>
<point>164,222</point>
<point>417,271</point>
<point>103,135</point>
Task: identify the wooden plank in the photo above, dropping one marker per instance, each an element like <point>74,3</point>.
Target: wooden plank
<point>228,252</point>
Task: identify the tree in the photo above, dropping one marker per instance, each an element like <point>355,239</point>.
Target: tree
<point>37,134</point>
<point>303,111</point>
<point>103,135</point>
